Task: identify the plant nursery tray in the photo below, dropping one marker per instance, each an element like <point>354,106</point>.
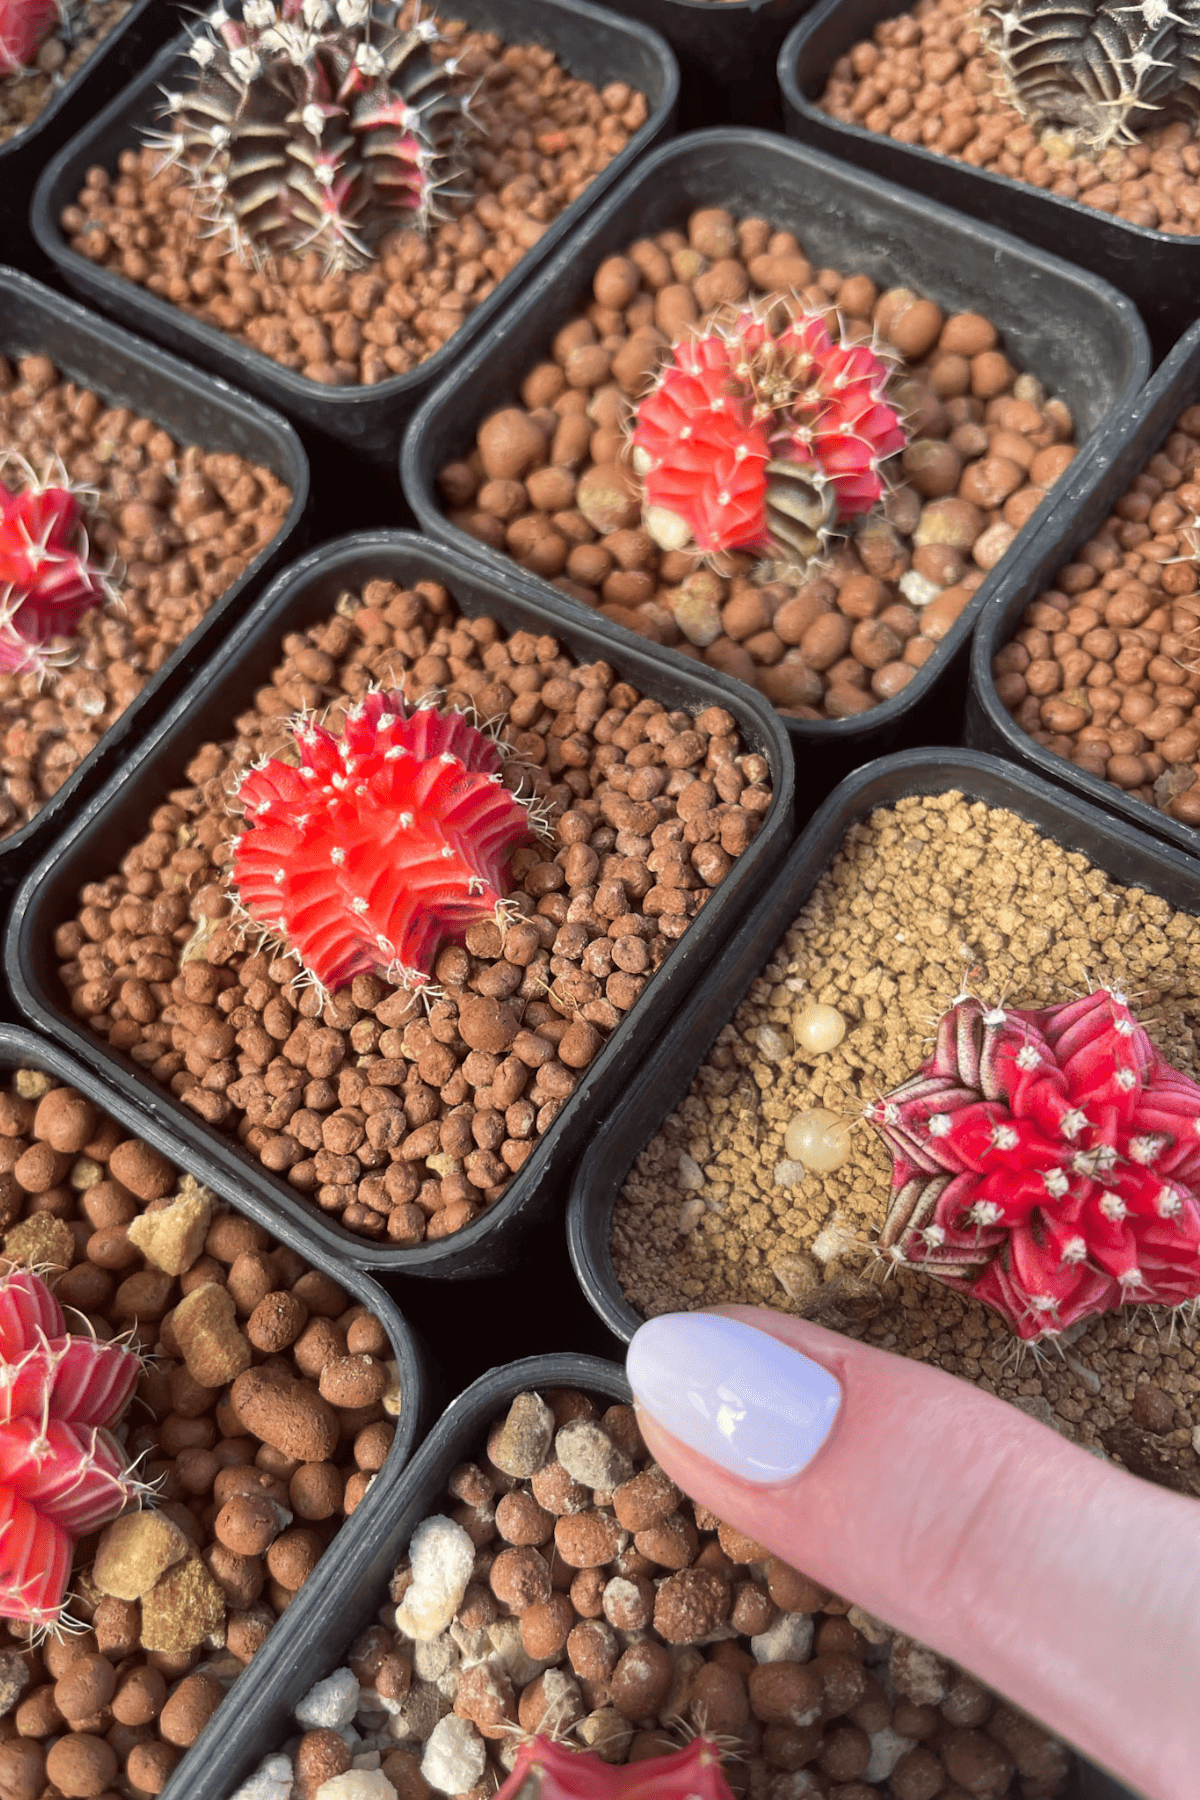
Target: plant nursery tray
<point>304,594</point>
<point>1094,484</point>
<point>590,41</point>
<point>194,408</point>
<point>338,1573</point>
<point>1157,270</point>
<point>1081,337</point>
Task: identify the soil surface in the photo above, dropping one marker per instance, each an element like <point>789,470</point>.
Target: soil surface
<point>400,1124</point>
<point>178,526</point>
<point>603,1609</point>
<point>543,136</point>
<point>24,97</point>
<point>928,78</point>
<point>920,900</point>
<point>549,481</point>
<point>1105,669</point>
<point>244,1506</point>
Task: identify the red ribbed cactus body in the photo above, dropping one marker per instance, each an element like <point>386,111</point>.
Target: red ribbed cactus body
<point>24,26</point>
<point>763,442</point>
<point>545,1770</point>
<point>47,583</point>
<point>62,1473</point>
<point>381,844</point>
<point>1047,1162</point>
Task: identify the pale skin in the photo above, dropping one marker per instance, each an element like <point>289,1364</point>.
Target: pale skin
<point>1070,1586</point>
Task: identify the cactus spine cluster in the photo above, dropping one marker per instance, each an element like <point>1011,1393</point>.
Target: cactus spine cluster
<point>1047,1162</point>
<point>763,440</point>
<point>62,1472</point>
<point>1098,69</point>
<point>47,580</point>
<point>317,125</point>
<point>378,846</point>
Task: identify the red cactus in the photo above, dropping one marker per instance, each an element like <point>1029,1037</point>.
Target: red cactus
<point>62,1473</point>
<point>382,845</point>
<point>24,25</point>
<point>47,583</point>
<point>545,1770</point>
<point>763,442</point>
<point>1047,1163</point>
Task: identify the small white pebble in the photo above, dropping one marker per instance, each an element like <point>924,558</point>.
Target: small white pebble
<point>454,1758</point>
<point>789,1172</point>
<point>434,1657</point>
<point>442,1557</point>
<point>786,1639</point>
<point>774,1044</point>
<point>887,1747</point>
<point>331,1704</point>
<point>589,1456</point>
<point>357,1784</point>
<point>689,1216</point>
<point>917,589</point>
<point>272,1780</point>
<point>691,1175</point>
<point>832,1241</point>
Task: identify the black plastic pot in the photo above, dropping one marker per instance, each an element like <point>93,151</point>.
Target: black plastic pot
<point>1092,488</point>
<point>1158,271</point>
<point>283,1679</point>
<point>303,1626</point>
<point>1080,337</point>
<point>114,62</point>
<point>1124,854</point>
<point>195,409</point>
<point>726,51</point>
<point>589,41</point>
<point>303,594</point>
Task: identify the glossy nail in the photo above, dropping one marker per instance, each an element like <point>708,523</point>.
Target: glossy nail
<point>755,1406</point>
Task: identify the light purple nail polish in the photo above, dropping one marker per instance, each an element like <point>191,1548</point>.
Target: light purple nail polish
<point>755,1406</point>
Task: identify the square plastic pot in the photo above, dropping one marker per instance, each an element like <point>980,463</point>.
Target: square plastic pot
<point>195,409</point>
<point>726,51</point>
<point>421,1492</point>
<point>1158,271</point>
<point>304,594</point>
<point>1124,854</point>
<point>1092,488</point>
<point>589,41</point>
<point>113,62</point>
<point>1079,336</point>
<point>301,1632</point>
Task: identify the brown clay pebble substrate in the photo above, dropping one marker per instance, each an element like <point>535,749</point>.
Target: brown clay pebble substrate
<point>401,1124</point>
<point>927,78</point>
<point>24,97</point>
<point>247,1499</point>
<point>548,482</point>
<point>1105,669</point>
<point>543,137</point>
<point>611,1612</point>
<point>180,524</point>
<point>919,898</point>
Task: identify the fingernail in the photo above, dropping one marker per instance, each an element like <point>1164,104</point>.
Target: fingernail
<point>755,1406</point>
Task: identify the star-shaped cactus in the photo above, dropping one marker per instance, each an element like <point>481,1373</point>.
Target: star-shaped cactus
<point>380,845</point>
<point>62,1473</point>
<point>545,1770</point>
<point>1047,1162</point>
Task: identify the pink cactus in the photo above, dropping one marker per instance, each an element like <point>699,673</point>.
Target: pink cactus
<point>24,26</point>
<point>62,1473</point>
<point>763,442</point>
<point>1047,1162</point>
<point>381,845</point>
<point>545,1770</point>
<point>47,582</point>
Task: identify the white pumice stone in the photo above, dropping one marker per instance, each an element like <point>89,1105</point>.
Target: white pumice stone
<point>331,1704</point>
<point>442,1557</point>
<point>455,1757</point>
<point>786,1639</point>
<point>272,1780</point>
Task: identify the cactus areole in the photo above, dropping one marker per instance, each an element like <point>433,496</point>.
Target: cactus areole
<point>316,125</point>
<point>545,1770</point>
<point>62,1473</point>
<point>380,845</point>
<point>763,441</point>
<point>24,27</point>
<point>1047,1162</point>
<point>47,582</point>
